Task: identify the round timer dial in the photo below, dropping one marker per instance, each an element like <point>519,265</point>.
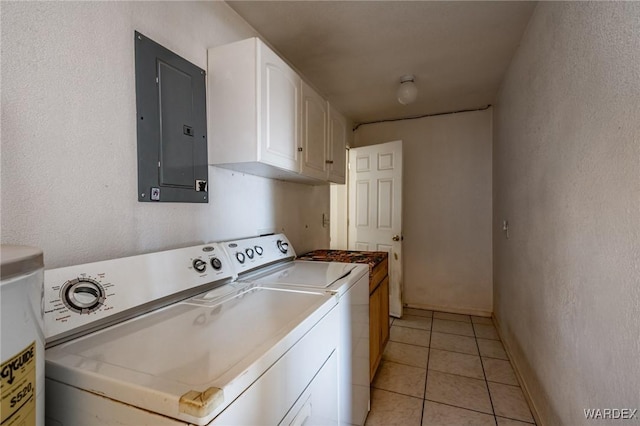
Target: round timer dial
<point>199,265</point>
<point>282,246</point>
<point>83,295</point>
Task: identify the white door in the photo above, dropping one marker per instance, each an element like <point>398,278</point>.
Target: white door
<point>375,208</point>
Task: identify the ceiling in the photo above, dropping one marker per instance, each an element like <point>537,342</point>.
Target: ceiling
<point>354,52</point>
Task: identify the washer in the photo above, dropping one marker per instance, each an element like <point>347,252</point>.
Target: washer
<point>169,338</point>
<point>268,261</point>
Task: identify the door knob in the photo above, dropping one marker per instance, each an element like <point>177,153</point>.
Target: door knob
<point>397,238</point>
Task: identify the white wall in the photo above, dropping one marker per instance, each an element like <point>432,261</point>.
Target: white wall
<point>446,208</point>
<point>338,230</point>
<point>69,176</point>
<point>567,177</point>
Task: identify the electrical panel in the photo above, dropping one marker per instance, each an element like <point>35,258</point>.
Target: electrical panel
<point>172,126</point>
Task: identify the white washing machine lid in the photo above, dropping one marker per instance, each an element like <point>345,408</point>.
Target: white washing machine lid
<point>318,275</point>
<point>190,355</point>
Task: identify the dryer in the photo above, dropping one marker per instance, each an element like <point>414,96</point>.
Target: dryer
<point>269,261</point>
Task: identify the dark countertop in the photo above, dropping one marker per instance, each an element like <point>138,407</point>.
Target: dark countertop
<point>372,258</point>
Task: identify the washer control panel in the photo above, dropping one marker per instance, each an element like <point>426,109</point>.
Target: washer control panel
<point>251,253</point>
<point>76,297</point>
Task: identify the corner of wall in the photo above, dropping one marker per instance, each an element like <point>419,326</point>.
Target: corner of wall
<point>525,375</point>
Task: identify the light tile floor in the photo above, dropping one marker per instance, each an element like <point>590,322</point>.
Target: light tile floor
<point>445,369</point>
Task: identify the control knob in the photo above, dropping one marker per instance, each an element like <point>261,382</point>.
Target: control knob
<point>83,295</point>
<point>282,246</point>
<point>199,265</point>
<point>249,252</point>
<point>258,250</point>
<point>240,257</point>
<point>216,264</point>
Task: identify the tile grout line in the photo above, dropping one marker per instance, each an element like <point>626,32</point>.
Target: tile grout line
<point>412,344</point>
<point>455,334</point>
<point>459,352</point>
<point>455,320</point>
<point>486,382</point>
<point>415,366</point>
<point>501,383</point>
<point>397,393</point>
<point>408,344</point>
<point>517,420</point>
<point>461,375</point>
<point>455,352</point>
<point>462,408</point>
<point>430,349</point>
<point>390,361</point>
<point>426,373</point>
<point>411,328</point>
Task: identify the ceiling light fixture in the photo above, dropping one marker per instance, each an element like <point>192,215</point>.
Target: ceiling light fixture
<point>408,91</point>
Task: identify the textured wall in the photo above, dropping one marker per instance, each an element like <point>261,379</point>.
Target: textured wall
<point>567,177</point>
<point>69,176</point>
<point>446,208</point>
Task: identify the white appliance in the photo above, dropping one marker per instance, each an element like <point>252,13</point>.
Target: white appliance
<point>257,261</point>
<point>169,339</point>
<point>22,346</point>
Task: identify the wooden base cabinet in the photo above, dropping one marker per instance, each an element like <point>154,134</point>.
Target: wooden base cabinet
<point>378,321</point>
<point>375,352</point>
<point>384,309</point>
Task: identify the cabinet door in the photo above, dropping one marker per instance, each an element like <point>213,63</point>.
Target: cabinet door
<point>374,332</point>
<point>337,147</point>
<point>279,115</point>
<point>314,134</point>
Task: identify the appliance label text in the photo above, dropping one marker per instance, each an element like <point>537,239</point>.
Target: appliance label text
<point>18,388</point>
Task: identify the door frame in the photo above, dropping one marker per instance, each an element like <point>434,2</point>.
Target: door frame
<point>339,210</point>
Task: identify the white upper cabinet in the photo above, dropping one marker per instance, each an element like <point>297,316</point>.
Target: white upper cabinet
<point>279,113</point>
<point>264,120</point>
<point>253,111</point>
<point>337,146</point>
<point>314,134</point>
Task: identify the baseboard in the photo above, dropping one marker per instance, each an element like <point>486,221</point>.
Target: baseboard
<point>515,363</point>
<point>464,311</point>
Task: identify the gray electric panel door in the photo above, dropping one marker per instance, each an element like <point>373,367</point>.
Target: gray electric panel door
<point>172,126</point>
